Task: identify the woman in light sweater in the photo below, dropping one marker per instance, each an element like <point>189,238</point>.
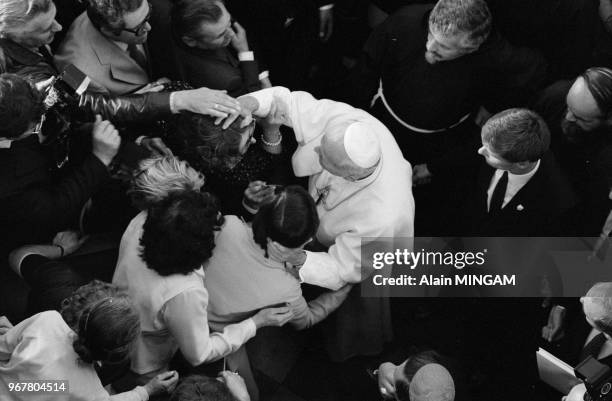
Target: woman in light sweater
<point>160,264</point>
<point>241,277</point>
<point>97,326</point>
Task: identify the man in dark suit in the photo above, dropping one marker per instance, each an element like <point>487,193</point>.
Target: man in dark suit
<point>520,191</point>
<point>37,200</point>
<point>579,114</point>
<point>212,50</point>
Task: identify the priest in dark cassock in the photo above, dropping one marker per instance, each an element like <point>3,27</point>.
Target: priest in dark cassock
<point>439,70</point>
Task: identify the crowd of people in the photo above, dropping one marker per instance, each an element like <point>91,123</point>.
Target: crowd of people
<point>178,174</point>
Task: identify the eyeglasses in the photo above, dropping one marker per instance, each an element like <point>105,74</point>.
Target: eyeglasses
<point>141,28</point>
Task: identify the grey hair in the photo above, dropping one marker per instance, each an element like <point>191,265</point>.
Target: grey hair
<point>601,295</point>
<point>15,13</point>
<point>452,17</point>
<point>160,176</point>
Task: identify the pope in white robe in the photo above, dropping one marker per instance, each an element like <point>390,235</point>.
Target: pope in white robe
<point>379,205</point>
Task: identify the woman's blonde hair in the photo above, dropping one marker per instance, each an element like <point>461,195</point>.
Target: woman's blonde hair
<point>160,176</point>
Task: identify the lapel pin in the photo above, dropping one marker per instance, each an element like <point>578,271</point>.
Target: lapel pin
<point>520,208</point>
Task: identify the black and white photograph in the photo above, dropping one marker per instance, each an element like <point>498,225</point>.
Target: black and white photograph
<point>306,200</point>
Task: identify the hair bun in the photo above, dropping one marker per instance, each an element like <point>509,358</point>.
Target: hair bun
<point>82,351</point>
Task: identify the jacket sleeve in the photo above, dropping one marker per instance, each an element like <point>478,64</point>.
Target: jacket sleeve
<point>311,313</point>
<point>250,75</point>
<point>58,205</point>
<point>128,108</point>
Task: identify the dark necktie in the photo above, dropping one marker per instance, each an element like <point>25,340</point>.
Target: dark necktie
<point>499,193</point>
<point>138,56</point>
<point>593,347</point>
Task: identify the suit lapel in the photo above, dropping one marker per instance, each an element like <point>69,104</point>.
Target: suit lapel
<point>484,180</point>
<point>122,66</point>
<point>530,195</point>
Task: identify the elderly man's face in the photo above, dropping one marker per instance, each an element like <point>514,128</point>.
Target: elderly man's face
<point>38,31</point>
<point>214,35</point>
<point>583,114</point>
<point>444,48</point>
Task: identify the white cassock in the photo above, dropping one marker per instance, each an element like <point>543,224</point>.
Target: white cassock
<point>380,205</point>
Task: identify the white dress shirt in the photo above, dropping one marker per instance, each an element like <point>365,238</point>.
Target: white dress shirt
<point>40,348</point>
<point>515,183</point>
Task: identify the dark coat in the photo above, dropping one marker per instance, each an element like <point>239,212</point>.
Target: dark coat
<point>537,209</point>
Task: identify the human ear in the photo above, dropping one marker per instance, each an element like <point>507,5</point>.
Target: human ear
<point>189,41</point>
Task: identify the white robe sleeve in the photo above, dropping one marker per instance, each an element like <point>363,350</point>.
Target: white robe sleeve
<point>306,115</point>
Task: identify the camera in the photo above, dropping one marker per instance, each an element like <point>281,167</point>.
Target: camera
<point>597,378</point>
<point>61,104</point>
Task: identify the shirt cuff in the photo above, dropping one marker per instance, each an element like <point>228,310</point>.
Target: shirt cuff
<point>246,56</point>
<point>139,140</point>
<point>326,7</point>
<point>264,75</point>
<point>250,327</point>
<point>173,108</point>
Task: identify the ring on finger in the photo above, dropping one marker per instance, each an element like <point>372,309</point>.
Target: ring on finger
<point>215,106</point>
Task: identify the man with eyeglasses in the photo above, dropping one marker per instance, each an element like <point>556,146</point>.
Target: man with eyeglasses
<point>108,43</point>
<point>579,115</point>
<point>27,28</point>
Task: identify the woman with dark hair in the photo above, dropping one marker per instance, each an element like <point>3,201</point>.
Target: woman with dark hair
<point>229,386</point>
<point>241,277</point>
<point>160,264</point>
<point>97,325</point>
<point>226,156</point>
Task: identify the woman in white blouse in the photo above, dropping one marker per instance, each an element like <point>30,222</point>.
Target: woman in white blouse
<point>45,348</point>
<point>160,264</point>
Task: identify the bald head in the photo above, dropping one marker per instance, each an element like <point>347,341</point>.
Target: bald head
<point>597,305</point>
<point>432,382</point>
<point>351,151</point>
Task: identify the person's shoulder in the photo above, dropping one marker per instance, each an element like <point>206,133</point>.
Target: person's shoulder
<point>412,15</point>
<point>232,223</point>
<point>137,222</point>
<point>49,322</point>
<point>234,229</point>
<point>555,186</point>
<point>76,31</point>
